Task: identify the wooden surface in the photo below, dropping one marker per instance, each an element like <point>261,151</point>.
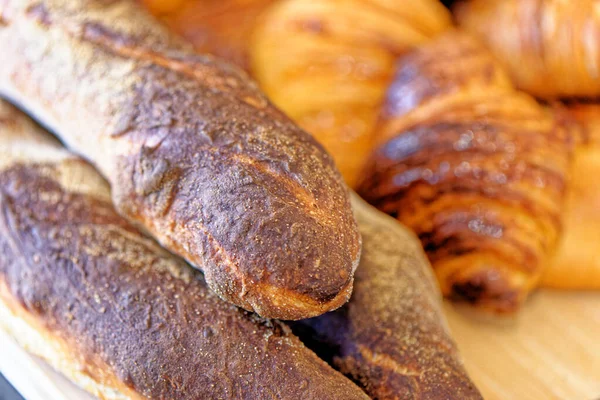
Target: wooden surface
<point>551,350</point>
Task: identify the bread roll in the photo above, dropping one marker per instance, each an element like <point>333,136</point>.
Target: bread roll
<point>193,151</point>
<point>106,306</point>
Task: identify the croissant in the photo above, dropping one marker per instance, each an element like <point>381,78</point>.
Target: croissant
<point>577,261</point>
<point>218,27</point>
<point>327,64</point>
<point>474,167</point>
<point>550,47</point>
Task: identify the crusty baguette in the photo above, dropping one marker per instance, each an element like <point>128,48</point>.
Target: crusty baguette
<point>391,337</point>
<point>193,151</point>
<point>106,306</point>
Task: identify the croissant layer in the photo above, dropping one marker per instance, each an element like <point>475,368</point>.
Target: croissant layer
<point>327,64</point>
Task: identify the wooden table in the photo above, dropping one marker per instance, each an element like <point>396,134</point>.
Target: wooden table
<point>551,350</point>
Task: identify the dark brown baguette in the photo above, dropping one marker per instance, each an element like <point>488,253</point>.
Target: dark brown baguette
<point>106,306</point>
<point>193,151</point>
<point>391,337</point>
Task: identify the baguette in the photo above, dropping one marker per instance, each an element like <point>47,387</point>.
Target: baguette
<point>106,306</point>
<point>194,153</point>
<point>391,338</point>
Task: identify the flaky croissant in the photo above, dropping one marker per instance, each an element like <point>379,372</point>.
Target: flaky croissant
<point>550,47</point>
<point>474,167</point>
<point>327,64</point>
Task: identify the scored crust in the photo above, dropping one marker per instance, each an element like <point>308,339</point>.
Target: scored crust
<point>193,151</point>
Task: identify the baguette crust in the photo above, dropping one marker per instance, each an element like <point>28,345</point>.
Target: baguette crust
<point>391,337</point>
<point>193,152</point>
<point>119,315</point>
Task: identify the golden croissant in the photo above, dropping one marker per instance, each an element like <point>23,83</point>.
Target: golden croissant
<point>550,47</point>
<point>327,64</point>
<point>552,50</point>
<point>474,167</point>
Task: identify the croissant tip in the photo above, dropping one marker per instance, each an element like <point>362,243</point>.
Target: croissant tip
<point>495,295</point>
